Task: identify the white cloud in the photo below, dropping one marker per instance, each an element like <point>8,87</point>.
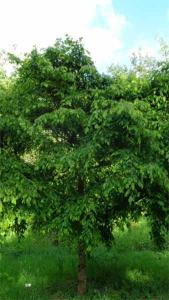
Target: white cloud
<point>146,48</point>
<point>29,22</point>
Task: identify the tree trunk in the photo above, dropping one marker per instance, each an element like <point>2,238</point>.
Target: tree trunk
<point>82,278</point>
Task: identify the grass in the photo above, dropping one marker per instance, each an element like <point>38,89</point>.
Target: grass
<point>131,270</point>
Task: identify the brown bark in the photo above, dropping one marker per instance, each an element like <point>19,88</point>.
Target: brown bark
<point>82,278</point>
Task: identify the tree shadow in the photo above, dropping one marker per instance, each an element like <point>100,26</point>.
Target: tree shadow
<point>53,271</point>
<point>146,272</point>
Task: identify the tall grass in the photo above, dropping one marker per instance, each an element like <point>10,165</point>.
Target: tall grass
<point>131,269</point>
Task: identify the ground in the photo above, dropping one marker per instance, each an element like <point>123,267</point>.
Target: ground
<point>131,270</point>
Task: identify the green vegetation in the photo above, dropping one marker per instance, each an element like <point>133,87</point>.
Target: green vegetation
<point>83,153</point>
<point>131,269</point>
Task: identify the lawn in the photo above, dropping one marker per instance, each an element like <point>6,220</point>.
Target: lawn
<point>130,270</point>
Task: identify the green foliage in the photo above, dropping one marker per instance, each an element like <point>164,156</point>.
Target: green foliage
<point>83,152</point>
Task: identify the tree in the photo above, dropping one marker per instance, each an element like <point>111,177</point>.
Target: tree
<point>147,81</point>
<point>74,159</point>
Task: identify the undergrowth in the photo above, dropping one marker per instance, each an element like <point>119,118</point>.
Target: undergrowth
<point>131,270</point>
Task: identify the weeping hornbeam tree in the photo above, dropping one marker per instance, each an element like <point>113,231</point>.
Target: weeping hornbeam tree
<point>80,152</point>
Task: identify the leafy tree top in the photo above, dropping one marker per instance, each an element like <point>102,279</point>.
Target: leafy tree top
<point>76,154</point>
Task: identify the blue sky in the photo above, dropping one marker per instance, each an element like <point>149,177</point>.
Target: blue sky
<point>111,29</point>
<point>147,20</point>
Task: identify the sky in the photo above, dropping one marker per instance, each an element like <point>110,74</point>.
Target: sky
<point>111,29</point>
